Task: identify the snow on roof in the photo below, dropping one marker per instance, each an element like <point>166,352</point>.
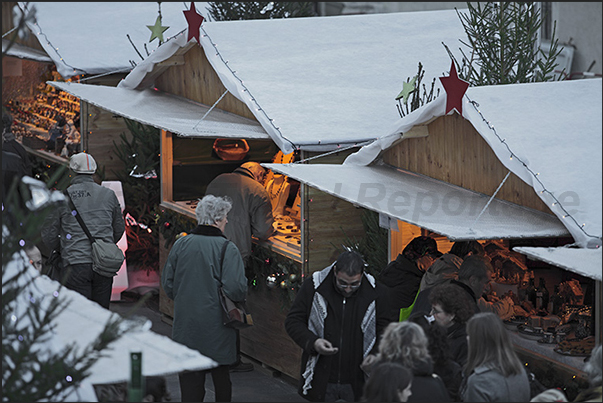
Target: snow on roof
<point>317,83</point>
<point>586,262</point>
<point>92,37</point>
<point>435,205</point>
<point>166,111</point>
<point>24,52</point>
<point>548,134</point>
<point>82,321</point>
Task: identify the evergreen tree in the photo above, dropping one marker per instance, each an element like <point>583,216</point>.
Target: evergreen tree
<point>31,369</point>
<point>503,38</point>
<point>256,10</point>
<point>141,186</point>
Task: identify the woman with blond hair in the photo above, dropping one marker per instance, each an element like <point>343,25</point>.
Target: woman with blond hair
<point>407,344</point>
<point>493,370</point>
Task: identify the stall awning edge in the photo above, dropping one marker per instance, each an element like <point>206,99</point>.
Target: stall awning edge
<point>426,202</point>
<point>165,111</point>
<point>583,261</point>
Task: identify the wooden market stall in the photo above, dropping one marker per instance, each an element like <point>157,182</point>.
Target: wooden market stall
<point>66,37</point>
<point>246,86</point>
<point>514,171</point>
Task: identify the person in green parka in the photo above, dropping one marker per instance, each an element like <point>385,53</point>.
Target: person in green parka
<point>190,279</point>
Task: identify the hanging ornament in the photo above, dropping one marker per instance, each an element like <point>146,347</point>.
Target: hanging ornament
<point>194,20</point>
<point>407,89</point>
<point>271,281</point>
<point>293,278</point>
<point>284,284</point>
<point>455,89</point>
<point>157,30</point>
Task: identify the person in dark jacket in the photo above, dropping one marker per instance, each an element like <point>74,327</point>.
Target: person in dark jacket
<point>101,212</point>
<point>336,318</point>
<point>445,367</point>
<point>56,136</point>
<point>452,308</point>
<point>190,278</point>
<point>15,160</point>
<point>403,275</point>
<point>390,382</point>
<point>406,343</point>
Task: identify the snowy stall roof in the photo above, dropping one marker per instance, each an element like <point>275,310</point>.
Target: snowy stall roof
<point>553,133</point>
<point>420,200</point>
<point>91,37</point>
<point>166,111</point>
<point>83,320</point>
<point>24,52</point>
<point>584,261</point>
<point>317,83</point>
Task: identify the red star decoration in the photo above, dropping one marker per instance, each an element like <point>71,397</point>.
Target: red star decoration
<point>194,20</point>
<point>455,89</point>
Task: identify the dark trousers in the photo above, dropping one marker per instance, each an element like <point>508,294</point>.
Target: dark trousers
<point>89,283</point>
<point>192,384</point>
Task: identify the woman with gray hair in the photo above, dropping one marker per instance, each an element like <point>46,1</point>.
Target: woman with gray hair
<point>190,278</point>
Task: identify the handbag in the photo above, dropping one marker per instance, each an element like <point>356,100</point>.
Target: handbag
<point>107,258</point>
<point>234,314</point>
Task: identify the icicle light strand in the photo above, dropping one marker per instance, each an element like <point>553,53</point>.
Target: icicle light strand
<point>246,89</point>
<point>534,174</point>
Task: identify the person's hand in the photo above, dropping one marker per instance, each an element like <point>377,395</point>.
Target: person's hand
<point>324,347</point>
<point>368,362</point>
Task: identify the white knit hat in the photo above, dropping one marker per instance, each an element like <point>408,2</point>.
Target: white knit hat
<point>82,163</point>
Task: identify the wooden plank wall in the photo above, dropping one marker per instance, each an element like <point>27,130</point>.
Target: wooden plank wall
<point>267,341</point>
<point>197,80</point>
<point>456,153</point>
<point>99,128</point>
<point>329,220</point>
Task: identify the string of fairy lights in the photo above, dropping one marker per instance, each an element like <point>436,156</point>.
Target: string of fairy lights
<point>245,89</point>
<point>513,155</point>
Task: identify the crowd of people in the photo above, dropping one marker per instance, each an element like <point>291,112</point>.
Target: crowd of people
<point>420,331</point>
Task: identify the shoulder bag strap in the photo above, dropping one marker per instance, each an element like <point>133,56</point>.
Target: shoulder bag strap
<point>224,245</point>
<point>79,218</point>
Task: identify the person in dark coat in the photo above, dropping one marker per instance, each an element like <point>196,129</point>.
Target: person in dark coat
<point>445,367</point>
<point>406,343</point>
<point>15,160</point>
<point>190,278</point>
<point>390,382</point>
<point>56,137</point>
<point>403,275</point>
<point>336,318</point>
<point>451,310</point>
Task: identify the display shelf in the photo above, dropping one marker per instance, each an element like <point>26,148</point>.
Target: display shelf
<point>284,248</point>
<point>545,351</point>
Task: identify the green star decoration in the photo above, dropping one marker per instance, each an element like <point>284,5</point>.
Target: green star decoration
<point>157,30</point>
<point>407,89</point>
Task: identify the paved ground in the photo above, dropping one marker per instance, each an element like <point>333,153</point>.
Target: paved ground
<point>263,384</point>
